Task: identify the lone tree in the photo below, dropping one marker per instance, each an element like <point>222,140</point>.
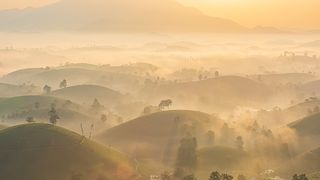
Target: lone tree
<point>189,177</point>
<point>103,117</point>
<point>165,103</point>
<point>215,175</point>
<point>30,119</point>
<point>63,84</point>
<point>226,177</point>
<point>46,89</point>
<point>210,138</point>
<point>96,106</point>
<point>239,142</point>
<point>53,116</point>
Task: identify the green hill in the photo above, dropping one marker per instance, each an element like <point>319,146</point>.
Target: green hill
<point>308,126</point>
<point>28,103</point>
<point>87,93</point>
<point>43,151</point>
<point>9,90</point>
<point>157,135</point>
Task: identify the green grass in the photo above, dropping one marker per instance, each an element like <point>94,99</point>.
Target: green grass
<point>43,151</point>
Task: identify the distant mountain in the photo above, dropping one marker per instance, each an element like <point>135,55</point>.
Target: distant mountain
<point>114,15</point>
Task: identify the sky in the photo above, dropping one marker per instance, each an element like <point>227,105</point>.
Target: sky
<point>285,14</point>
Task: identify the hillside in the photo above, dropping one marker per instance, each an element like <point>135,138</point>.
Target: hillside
<point>87,93</point>
<point>223,93</point>
<point>43,151</point>
<point>158,133</point>
<point>285,78</point>
<point>307,126</point>
<point>74,76</point>
<point>309,161</point>
<point>9,90</point>
<point>114,16</point>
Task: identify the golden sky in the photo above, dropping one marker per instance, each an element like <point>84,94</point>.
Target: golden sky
<point>300,14</point>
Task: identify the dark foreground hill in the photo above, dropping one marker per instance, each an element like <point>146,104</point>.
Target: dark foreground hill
<point>47,152</point>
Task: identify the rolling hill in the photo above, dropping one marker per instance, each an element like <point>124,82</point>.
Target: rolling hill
<point>286,78</point>
<point>87,93</point>
<point>308,126</point>
<point>74,76</point>
<point>43,151</point>
<point>114,16</point>
<point>28,103</point>
<point>9,90</point>
<point>223,93</point>
<point>151,136</point>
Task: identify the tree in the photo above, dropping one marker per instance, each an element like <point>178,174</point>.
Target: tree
<point>46,89</point>
<point>210,138</point>
<point>215,175</point>
<point>187,155</point>
<point>53,116</point>
<point>30,119</point>
<point>239,143</point>
<point>103,117</point>
<point>96,106</point>
<point>216,74</point>
<point>226,177</point>
<point>189,177</point>
<point>63,84</point>
<point>300,177</point>
<point>165,103</point>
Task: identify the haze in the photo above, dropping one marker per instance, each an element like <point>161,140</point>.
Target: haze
<point>159,90</point>
<point>285,14</point>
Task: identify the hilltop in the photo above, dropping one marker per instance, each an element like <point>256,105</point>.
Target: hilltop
<point>43,151</point>
<point>87,93</point>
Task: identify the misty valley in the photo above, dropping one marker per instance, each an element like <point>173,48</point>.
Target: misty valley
<point>158,90</point>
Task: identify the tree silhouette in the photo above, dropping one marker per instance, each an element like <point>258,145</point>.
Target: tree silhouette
<point>165,103</point>
<point>63,84</point>
<point>46,89</point>
<point>53,116</point>
<point>215,175</point>
<point>187,155</point>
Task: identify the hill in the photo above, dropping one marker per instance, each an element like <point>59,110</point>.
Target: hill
<point>309,161</point>
<point>43,151</point>
<point>222,93</point>
<point>9,90</point>
<point>74,76</point>
<point>312,88</point>
<point>308,126</point>
<point>87,93</point>
<point>28,103</point>
<point>157,135</point>
<point>114,16</point>
<point>286,78</point>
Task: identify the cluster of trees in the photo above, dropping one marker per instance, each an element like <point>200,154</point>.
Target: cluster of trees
<point>47,89</point>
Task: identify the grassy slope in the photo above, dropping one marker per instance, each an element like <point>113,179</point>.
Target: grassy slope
<point>87,93</point>
<point>42,151</point>
<point>212,93</point>
<point>307,126</point>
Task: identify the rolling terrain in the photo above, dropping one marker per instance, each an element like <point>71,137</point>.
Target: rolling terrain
<point>43,151</point>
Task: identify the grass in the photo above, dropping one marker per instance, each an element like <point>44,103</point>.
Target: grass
<point>43,151</point>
